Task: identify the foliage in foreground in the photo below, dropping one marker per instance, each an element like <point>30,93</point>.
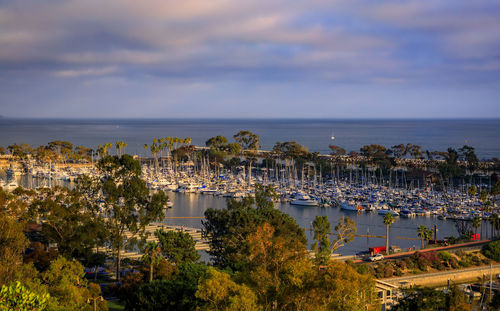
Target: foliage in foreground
<point>17,297</point>
<point>492,250</point>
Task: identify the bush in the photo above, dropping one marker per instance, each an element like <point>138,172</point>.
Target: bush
<point>410,263</point>
<point>492,250</point>
<point>445,257</point>
<point>388,271</point>
<point>401,264</point>
<point>454,264</point>
<point>464,263</point>
<point>364,269</point>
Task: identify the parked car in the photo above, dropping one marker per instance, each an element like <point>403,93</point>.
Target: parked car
<point>376,257</point>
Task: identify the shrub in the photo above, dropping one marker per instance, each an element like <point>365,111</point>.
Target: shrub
<point>476,261</point>
<point>464,263</point>
<point>410,263</point>
<point>454,264</point>
<point>388,271</point>
<point>364,269</point>
<point>492,250</point>
<point>445,257</point>
<point>401,264</point>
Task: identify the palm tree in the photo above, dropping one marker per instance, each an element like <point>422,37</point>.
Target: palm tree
<point>424,234</point>
<point>119,147</point>
<point>494,221</point>
<point>476,223</point>
<point>152,255</point>
<point>388,220</point>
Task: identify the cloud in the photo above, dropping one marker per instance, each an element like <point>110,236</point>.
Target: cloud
<point>389,44</point>
<point>85,72</point>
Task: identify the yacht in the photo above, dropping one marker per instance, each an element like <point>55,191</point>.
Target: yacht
<point>304,200</point>
<point>387,211</point>
<point>406,213</point>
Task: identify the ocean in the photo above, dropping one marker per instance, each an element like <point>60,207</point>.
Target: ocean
<point>483,135</point>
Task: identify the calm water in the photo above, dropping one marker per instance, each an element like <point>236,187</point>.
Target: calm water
<point>193,205</point>
<point>484,135</point>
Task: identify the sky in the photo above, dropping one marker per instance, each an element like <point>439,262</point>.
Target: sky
<point>250,59</point>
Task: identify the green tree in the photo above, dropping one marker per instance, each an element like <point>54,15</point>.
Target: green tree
<point>67,222</point>
<point>217,142</point>
<point>399,150</point>
<point>13,243</point>
<point>388,220</point>
<point>17,297</point>
<point>321,245</point>
<point>476,223</point>
<point>128,207</point>
<point>221,293</point>
<point>151,256</point>
<point>171,294</point>
<point>177,246</point>
<point>424,233</point>
<point>492,250</point>
<point>120,145</point>
<point>20,151</point>
<point>227,229</point>
<point>65,281</point>
<point>336,150</point>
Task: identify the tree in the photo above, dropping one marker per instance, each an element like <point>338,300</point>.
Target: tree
<point>372,150</point>
<point>344,233</point>
<point>127,205</point>
<point>175,294</point>
<point>336,150</point>
<point>227,229</point>
<point>222,293</point>
<point>68,222</point>
<point>13,243</point>
<point>476,223</point>
<point>424,233</point>
<point>120,145</point>
<point>467,154</point>
<point>388,220</point>
<point>247,140</point>
<point>2,150</point>
<point>217,142</point>
<point>177,246</point>
<point>65,281</point>
<point>399,150</point>
<point>321,245</point>
<point>20,151</point>
<point>425,299</point>
<point>63,149</point>
<point>275,264</point>
<point>151,256</point>
<point>17,297</point>
<point>338,287</point>
<point>495,223</point>
<point>492,250</point>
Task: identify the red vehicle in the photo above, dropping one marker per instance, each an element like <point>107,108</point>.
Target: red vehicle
<point>377,250</point>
